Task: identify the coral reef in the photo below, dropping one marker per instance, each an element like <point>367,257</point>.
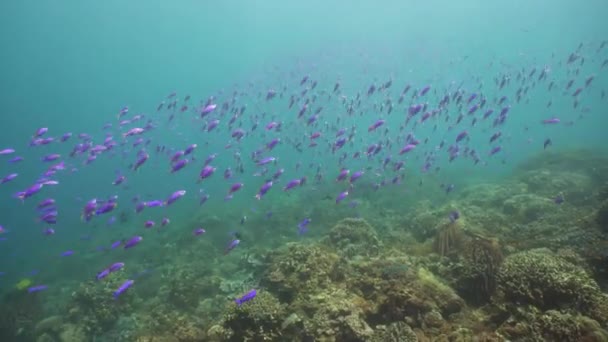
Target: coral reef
<point>448,239</point>
<point>354,237</point>
<point>259,319</point>
<point>481,260</point>
<point>19,312</point>
<point>547,281</point>
<point>297,268</point>
<point>93,307</point>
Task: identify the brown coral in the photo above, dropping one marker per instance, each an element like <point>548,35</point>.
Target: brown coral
<point>448,238</point>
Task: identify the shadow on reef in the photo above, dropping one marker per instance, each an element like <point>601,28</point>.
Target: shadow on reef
<point>514,265</point>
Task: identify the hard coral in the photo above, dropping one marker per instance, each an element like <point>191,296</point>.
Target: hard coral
<point>300,268</point>
<point>394,332</point>
<point>259,319</point>
<point>448,239</point>
<point>482,258</point>
<point>553,325</point>
<point>354,237</point>
<point>94,307</point>
<point>540,278</point>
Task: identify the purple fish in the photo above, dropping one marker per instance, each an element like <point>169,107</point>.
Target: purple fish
<point>8,178</point>
<point>198,231</point>
<point>341,196</point>
<point>461,136</point>
<point>246,297</point>
<point>302,226</point>
<point>37,288</point>
<point>6,151</point>
<point>175,196</point>
<point>407,148</point>
<point>149,224</point>
<point>133,241</point>
<point>551,121</point>
<point>106,208</point>
<point>292,184</point>
<point>116,266</point>
<point>206,172</point>
<point>231,245</point>
<point>180,164</point>
<point>103,274</point>
<point>263,190</point>
<point>266,160</point>
<point>16,159</point>
<point>127,284</point>
<point>454,215</point>
<point>356,176</point>
<point>208,109</point>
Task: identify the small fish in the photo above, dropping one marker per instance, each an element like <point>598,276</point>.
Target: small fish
<point>551,121</point>
<point>559,199</point>
<point>126,285</point>
<point>174,197</point>
<point>67,253</point>
<point>454,215</point>
<point>246,297</point>
<point>8,178</point>
<point>341,196</point>
<point>133,241</point>
<point>6,151</point>
<point>303,226</point>
<point>37,288</point>
<point>547,143</point>
<point>263,190</point>
<point>231,245</point>
<point>198,231</point>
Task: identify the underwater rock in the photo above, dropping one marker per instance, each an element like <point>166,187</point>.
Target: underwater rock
<point>576,186</point>
<point>259,319</point>
<point>45,338</point>
<point>601,217</point>
<point>490,195</point>
<point>394,332</point>
<point>298,268</point>
<point>525,208</point>
<point>354,237</point>
<point>543,279</point>
<point>19,310</point>
<point>72,332</point>
<point>49,324</point>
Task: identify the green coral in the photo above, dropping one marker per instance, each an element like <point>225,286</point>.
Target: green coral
<point>540,278</point>
<point>354,237</point>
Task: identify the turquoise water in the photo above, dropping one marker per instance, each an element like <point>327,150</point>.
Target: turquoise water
<point>71,66</point>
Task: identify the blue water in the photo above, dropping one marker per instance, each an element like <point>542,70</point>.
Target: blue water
<point>72,65</point>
